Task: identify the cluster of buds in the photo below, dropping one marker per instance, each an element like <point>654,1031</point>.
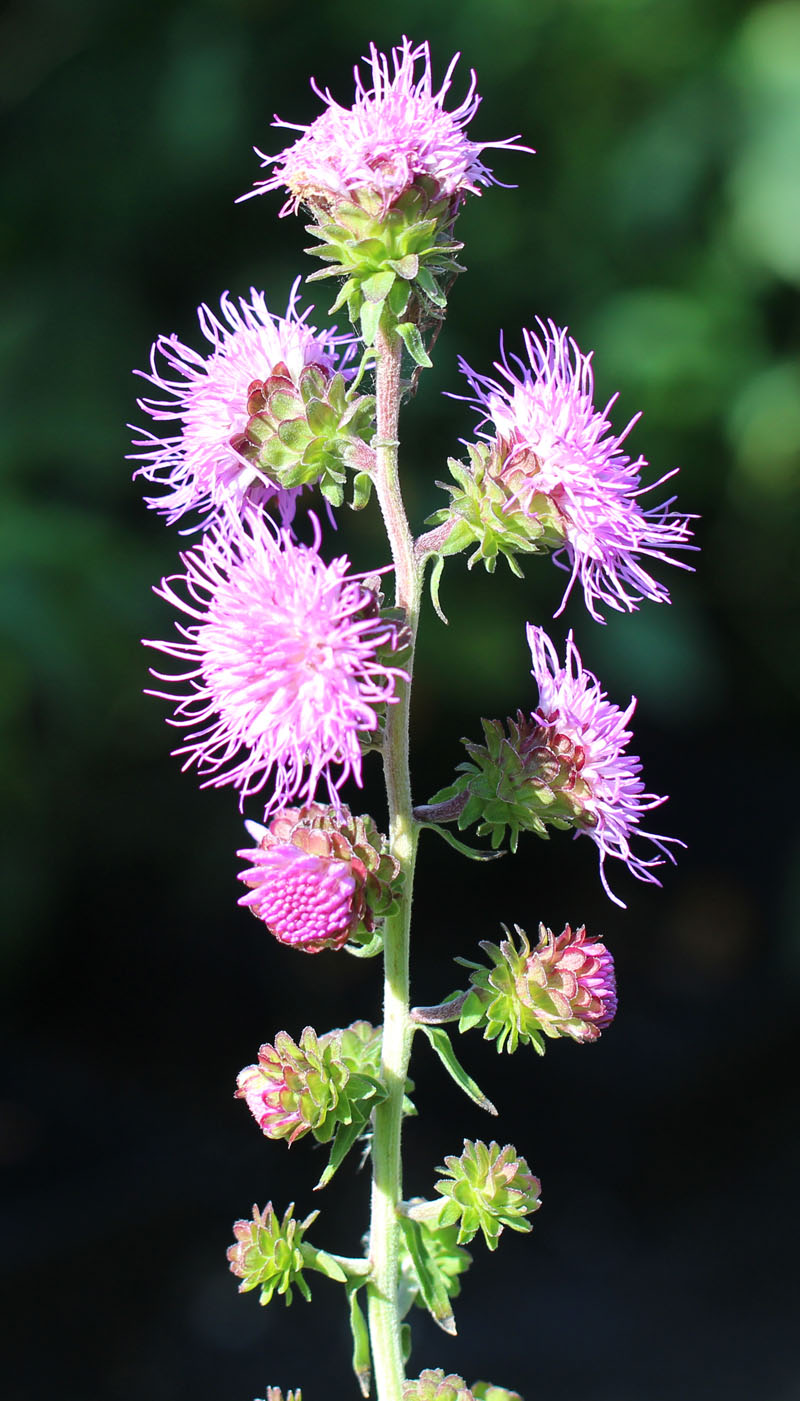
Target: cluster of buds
<point>565,986</point>
<point>307,429</point>
<point>486,1189</point>
<point>268,1254</point>
<point>274,1393</point>
<point>525,780</point>
<point>495,509</point>
<point>397,263</point>
<point>433,1385</point>
<point>319,879</point>
<point>315,1084</point>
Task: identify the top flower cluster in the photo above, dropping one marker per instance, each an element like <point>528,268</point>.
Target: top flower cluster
<point>396,132</point>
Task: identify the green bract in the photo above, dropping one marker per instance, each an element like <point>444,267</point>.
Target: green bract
<point>268,1253</point>
<point>308,431</point>
<point>487,512</point>
<point>523,781</point>
<point>487,1188</point>
<point>397,264</point>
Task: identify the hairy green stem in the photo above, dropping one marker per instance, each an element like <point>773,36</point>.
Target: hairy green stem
<point>387,1193</point>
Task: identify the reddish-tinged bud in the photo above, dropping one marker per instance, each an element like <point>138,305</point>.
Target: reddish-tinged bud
<point>565,986</point>
<point>318,880</point>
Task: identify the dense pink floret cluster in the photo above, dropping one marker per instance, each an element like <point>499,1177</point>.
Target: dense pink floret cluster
<point>542,416</point>
<point>200,468</point>
<point>572,702</point>
<point>305,900</point>
<point>286,663</point>
<point>396,132</point>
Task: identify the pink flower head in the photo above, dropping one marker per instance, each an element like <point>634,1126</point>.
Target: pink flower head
<point>304,900</point>
<point>578,975</point>
<point>284,663</point>
<point>202,466</point>
<point>396,132</point>
<point>554,443</point>
<point>572,704</point>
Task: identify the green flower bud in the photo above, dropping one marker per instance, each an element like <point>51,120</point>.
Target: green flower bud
<point>268,1254</point>
<point>525,781</point>
<point>433,1385</point>
<point>487,1188</point>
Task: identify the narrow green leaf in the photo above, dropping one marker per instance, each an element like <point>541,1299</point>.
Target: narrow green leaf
<point>361,1355</point>
<point>435,580</point>
<point>345,293</point>
<point>431,287</point>
<point>430,1282</point>
<point>414,344</point>
<point>346,1135</point>
<point>405,1340</point>
<point>362,487</point>
<point>473,852</point>
<point>443,1047</point>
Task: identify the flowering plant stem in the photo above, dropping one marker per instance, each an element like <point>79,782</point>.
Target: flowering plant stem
<point>384,1321</point>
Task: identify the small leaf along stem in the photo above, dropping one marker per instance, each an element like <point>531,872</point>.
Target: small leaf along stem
<point>387,1193</point>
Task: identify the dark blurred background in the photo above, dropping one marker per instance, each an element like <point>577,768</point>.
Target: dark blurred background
<point>660,219</point>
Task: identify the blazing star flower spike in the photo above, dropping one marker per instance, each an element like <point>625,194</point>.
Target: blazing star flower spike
<point>286,659</point>
<point>558,462</point>
<point>396,134</point>
<point>573,705</point>
<point>209,467</point>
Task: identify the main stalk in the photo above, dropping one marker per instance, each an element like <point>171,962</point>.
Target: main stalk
<point>384,1322</point>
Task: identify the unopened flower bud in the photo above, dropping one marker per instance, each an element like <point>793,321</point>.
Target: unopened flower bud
<point>274,1393</point>
<point>487,1188</point>
<point>318,880</point>
<point>267,1253</point>
<point>433,1385</point>
<point>313,1084</point>
<point>565,986</point>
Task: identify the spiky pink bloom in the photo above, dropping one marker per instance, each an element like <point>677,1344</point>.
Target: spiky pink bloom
<point>304,900</point>
<point>202,468</point>
<point>286,663</point>
<point>542,416</point>
<point>572,703</point>
<point>396,132</point>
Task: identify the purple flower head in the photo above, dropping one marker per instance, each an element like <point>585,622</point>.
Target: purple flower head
<point>573,704</point>
<point>304,900</point>
<point>396,132</point>
<point>553,443</point>
<point>284,661</point>
<point>202,467</point>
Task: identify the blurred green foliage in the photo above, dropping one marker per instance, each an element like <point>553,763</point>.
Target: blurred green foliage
<point>659,219</point>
